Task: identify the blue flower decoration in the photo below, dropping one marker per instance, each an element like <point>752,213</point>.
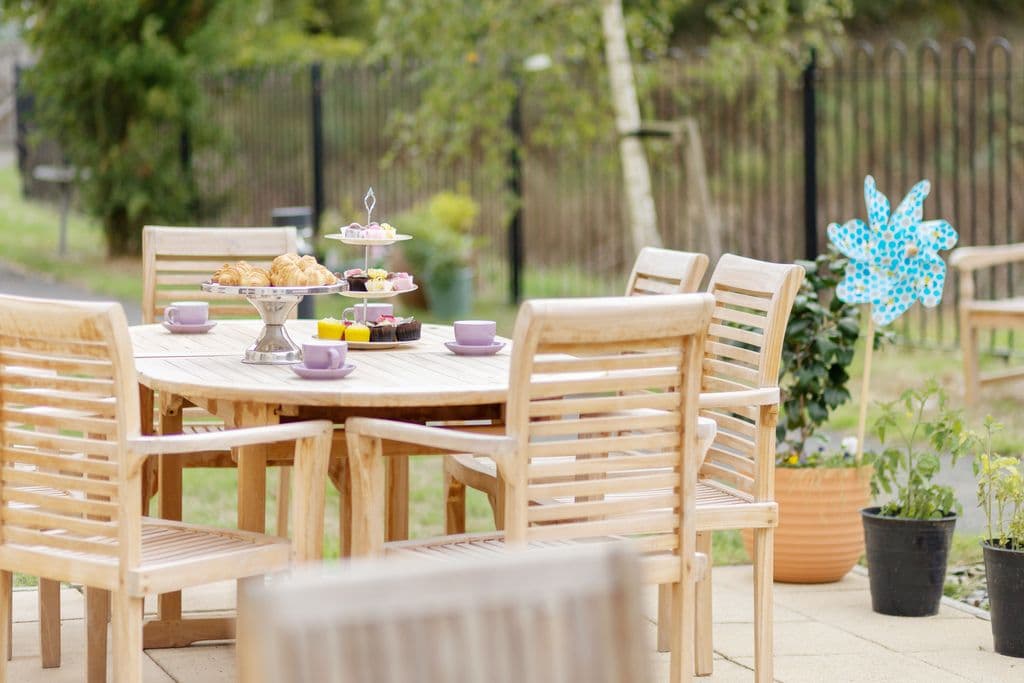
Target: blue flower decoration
<point>894,258</point>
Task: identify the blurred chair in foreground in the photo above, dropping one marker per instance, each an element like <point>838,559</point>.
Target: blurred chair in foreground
<point>560,614</point>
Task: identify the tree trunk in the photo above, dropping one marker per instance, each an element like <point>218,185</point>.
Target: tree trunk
<point>643,218</point>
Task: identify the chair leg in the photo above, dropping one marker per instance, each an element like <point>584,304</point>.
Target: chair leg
<point>6,617</point>
<point>664,617</point>
<point>969,346</point>
<point>455,505</point>
<point>283,493</point>
<point>127,628</point>
<point>764,547</point>
<point>682,618</point>
<point>704,651</point>
<point>97,615</point>
<point>49,622</point>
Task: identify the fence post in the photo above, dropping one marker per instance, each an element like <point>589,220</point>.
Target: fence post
<point>515,188</point>
<point>317,126</point>
<point>810,124</point>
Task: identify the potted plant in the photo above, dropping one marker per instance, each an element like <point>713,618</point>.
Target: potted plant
<point>908,538</point>
<point>441,252</point>
<point>1001,495</point>
<point>820,492</point>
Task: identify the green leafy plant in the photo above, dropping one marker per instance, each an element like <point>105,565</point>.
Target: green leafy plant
<point>817,350</point>
<point>1000,491</point>
<point>443,242</point>
<point>925,428</point>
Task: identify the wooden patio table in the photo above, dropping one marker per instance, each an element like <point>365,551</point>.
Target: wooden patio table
<point>419,383</point>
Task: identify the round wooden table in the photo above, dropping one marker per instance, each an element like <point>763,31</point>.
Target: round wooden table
<point>421,383</point>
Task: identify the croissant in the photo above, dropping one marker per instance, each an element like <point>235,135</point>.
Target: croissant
<point>256,277</point>
<point>289,270</point>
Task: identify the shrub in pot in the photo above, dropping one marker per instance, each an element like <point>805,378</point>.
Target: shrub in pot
<point>908,538</point>
<point>441,253</point>
<point>1001,495</point>
<point>820,494</point>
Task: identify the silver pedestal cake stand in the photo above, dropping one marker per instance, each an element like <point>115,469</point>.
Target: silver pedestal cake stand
<point>275,304</point>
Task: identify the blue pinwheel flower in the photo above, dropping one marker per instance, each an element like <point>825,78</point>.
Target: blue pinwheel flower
<point>894,258</point>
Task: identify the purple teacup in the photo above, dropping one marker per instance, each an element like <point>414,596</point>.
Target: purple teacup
<point>187,313</point>
<point>324,354</point>
<point>475,332</point>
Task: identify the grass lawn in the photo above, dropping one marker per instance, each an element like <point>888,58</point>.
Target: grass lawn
<point>28,238</point>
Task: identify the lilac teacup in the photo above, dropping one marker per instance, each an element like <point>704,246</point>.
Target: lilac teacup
<point>475,332</point>
<point>324,354</point>
<point>367,313</point>
<point>187,313</point>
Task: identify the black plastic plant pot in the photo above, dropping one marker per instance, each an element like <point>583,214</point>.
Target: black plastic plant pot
<point>906,562</point>
<point>1004,572</point>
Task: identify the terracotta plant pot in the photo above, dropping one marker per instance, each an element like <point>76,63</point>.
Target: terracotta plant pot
<point>820,535</point>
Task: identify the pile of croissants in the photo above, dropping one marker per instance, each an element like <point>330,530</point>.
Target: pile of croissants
<point>287,270</point>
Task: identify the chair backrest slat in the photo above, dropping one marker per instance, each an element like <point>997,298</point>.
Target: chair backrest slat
<point>68,403</point>
<point>665,271</point>
<point>567,614</point>
<point>603,403</point>
<point>176,260</point>
<point>753,300</point>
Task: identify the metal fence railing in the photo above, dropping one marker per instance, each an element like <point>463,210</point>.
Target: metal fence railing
<point>740,176</point>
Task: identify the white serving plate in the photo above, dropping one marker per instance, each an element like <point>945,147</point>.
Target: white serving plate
<point>376,295</point>
<point>367,242</point>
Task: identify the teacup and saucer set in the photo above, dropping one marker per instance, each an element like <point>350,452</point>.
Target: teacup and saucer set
<point>475,338</point>
<point>188,317</point>
<point>323,359</point>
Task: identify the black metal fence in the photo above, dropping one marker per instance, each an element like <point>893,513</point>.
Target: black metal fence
<point>751,172</point>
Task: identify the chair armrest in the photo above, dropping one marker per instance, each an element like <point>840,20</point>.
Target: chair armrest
<point>764,396</point>
<point>229,438</point>
<point>433,437</point>
<point>967,259</point>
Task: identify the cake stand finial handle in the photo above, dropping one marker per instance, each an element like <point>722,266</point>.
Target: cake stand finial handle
<point>369,201</point>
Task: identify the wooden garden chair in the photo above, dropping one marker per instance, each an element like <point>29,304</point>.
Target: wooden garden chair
<point>655,271</point>
<point>666,271</point>
<point>72,509</point>
<point>495,619</point>
<point>977,314</point>
<point>175,261</point>
<point>581,370</point>
<point>740,394</point>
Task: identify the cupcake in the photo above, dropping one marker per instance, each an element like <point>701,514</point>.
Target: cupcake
<point>377,273</point>
<point>407,329</point>
<point>374,232</point>
<point>383,332</point>
<point>378,284</point>
<point>357,279</point>
<point>353,230</point>
<point>357,332</point>
<point>401,281</point>
<point>389,231</point>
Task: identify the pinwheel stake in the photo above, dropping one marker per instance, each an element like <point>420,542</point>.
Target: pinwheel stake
<point>894,261</point>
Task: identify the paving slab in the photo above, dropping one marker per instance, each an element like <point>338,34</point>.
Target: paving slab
<point>25,667</point>
<point>982,666</point>
<point>876,667</point>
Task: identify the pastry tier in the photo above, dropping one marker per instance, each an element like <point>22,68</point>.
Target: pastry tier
<point>292,270</point>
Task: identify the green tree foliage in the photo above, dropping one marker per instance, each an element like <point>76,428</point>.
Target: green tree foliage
<point>116,85</point>
<point>472,58</point>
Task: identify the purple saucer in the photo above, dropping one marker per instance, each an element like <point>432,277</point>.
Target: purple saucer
<point>322,373</point>
<point>473,350</point>
<point>182,328</point>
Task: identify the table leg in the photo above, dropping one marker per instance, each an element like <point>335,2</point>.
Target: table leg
<point>398,497</point>
<point>252,470</point>
<point>169,497</point>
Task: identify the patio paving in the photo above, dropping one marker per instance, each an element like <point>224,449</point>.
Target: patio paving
<point>822,633</point>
